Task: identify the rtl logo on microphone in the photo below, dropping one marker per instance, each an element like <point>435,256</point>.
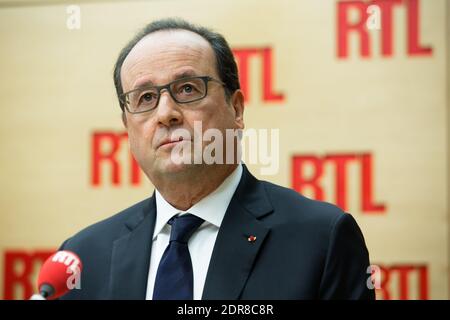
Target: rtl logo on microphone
<point>60,273</point>
<point>73,268</point>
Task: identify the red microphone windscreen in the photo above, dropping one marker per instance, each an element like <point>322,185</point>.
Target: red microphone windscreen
<point>62,272</point>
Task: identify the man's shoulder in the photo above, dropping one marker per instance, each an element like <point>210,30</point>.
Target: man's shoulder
<point>108,229</point>
<point>308,223</point>
<point>294,207</point>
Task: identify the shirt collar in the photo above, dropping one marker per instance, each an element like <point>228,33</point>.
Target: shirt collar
<point>211,208</point>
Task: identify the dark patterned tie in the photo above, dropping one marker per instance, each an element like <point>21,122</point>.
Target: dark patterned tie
<point>174,278</point>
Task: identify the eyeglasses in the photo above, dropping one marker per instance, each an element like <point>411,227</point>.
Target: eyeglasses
<point>184,90</point>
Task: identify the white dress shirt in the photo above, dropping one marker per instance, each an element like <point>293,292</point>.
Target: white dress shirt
<point>212,209</point>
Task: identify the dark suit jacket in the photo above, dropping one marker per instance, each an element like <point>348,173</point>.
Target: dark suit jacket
<point>304,249</point>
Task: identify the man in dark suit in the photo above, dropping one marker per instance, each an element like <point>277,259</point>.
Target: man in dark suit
<point>210,230</point>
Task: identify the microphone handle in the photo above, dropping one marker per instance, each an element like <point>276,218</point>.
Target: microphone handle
<point>46,291</point>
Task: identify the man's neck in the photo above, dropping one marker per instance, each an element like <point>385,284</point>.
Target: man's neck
<point>184,193</point>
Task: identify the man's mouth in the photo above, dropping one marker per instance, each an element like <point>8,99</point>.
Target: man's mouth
<point>170,142</point>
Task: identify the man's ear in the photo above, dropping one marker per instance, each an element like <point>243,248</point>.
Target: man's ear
<point>124,119</point>
<point>237,102</point>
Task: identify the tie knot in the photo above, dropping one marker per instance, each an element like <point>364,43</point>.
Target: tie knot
<point>183,227</point>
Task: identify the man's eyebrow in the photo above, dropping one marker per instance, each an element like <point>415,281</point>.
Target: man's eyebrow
<point>181,75</point>
<point>142,84</point>
<point>185,74</point>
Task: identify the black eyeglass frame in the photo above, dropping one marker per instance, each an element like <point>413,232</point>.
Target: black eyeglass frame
<point>205,79</point>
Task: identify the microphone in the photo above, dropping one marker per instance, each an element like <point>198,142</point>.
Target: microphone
<point>60,273</point>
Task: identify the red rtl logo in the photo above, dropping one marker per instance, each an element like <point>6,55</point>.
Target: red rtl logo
<point>301,180</point>
<point>345,28</point>
<point>106,148</point>
<point>20,272</point>
<point>243,56</point>
<point>403,282</point>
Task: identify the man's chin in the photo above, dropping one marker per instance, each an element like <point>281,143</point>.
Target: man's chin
<point>172,166</point>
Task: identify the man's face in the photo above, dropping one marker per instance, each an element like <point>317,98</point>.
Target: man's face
<point>158,59</point>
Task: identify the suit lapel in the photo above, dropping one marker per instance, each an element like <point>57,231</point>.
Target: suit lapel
<point>234,255</point>
<point>131,255</point>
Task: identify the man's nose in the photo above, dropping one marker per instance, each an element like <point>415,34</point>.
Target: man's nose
<point>168,111</point>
